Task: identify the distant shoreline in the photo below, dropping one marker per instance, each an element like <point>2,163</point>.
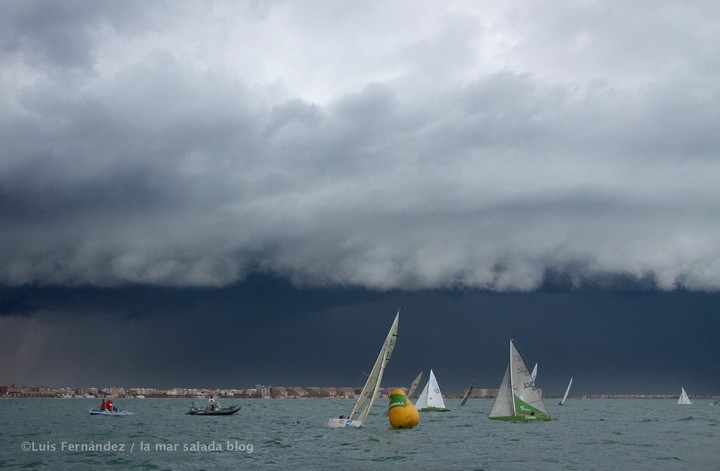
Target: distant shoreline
<point>265,392</point>
<point>590,397</point>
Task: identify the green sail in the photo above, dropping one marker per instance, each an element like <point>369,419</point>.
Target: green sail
<point>523,408</point>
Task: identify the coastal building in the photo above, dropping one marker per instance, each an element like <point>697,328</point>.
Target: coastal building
<point>114,392</point>
<point>483,393</point>
<point>345,393</point>
<point>297,393</point>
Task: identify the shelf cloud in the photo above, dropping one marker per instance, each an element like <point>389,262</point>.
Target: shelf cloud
<point>385,146</point>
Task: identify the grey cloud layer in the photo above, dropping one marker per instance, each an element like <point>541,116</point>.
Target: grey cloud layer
<point>191,151</point>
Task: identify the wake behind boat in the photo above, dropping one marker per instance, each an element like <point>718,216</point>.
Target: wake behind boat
<point>365,402</point>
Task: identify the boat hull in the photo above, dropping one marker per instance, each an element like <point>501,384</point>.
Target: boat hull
<point>343,423</point>
<point>434,409</point>
<point>223,411</point>
<point>117,413</point>
<point>524,418</point>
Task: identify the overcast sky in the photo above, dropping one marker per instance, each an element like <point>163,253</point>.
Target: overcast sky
<point>405,145</point>
<point>379,144</point>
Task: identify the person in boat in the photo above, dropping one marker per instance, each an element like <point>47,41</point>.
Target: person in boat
<point>213,405</point>
<point>343,417</point>
<point>102,405</point>
<point>109,405</point>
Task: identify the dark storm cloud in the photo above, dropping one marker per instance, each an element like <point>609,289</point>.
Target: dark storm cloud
<point>51,34</point>
<point>191,145</point>
<point>265,331</point>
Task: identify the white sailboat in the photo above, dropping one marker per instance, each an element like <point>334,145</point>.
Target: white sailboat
<point>684,399</point>
<point>518,398</point>
<point>430,399</point>
<point>469,390</point>
<point>562,401</point>
<point>414,385</point>
<point>365,402</point>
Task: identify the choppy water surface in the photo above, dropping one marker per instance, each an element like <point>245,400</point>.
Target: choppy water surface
<point>289,434</point>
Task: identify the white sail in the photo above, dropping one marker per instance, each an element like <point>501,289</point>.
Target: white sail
<point>364,404</point>
<point>533,375</point>
<point>365,401</point>
<point>414,385</point>
<point>566,392</point>
<point>523,385</point>
<point>422,398</point>
<point>431,397</point>
<point>503,405</point>
<point>684,399</point>
<point>469,391</point>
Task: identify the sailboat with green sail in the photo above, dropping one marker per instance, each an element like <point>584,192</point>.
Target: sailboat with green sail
<point>518,398</point>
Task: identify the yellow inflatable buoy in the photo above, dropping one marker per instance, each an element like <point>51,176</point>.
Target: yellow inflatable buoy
<point>402,412</point>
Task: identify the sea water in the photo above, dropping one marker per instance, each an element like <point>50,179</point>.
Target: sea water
<point>289,434</point>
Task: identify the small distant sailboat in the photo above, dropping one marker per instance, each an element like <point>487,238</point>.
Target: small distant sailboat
<point>431,399</point>
<point>717,401</point>
<point>414,385</point>
<point>518,398</point>
<point>533,375</point>
<point>365,402</point>
<point>684,399</point>
<point>466,396</point>
<point>562,401</point>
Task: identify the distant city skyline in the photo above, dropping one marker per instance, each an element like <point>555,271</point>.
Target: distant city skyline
<point>273,392</point>
<point>258,391</point>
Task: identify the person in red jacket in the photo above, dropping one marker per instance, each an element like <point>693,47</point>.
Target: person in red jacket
<point>109,405</point>
<point>102,405</point>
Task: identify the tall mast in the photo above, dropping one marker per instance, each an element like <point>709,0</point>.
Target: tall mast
<point>512,383</point>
